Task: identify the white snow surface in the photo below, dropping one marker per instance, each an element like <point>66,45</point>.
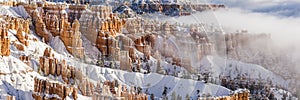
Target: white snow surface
<point>20,84</point>
<point>155,82</point>
<point>220,66</point>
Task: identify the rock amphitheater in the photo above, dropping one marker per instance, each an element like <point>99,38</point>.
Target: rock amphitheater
<point>133,45</point>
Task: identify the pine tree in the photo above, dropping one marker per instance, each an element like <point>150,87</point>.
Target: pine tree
<point>187,97</point>
<point>152,96</point>
<point>179,97</point>
<point>165,91</point>
<point>158,68</point>
<point>174,96</point>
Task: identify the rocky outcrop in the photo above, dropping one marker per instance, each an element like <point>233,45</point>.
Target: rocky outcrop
<point>50,65</point>
<point>40,29</point>
<point>54,21</point>
<point>106,41</point>
<point>30,8</point>
<point>110,90</point>
<point>145,44</point>
<point>237,42</point>
<point>204,7</point>
<point>239,95</point>
<point>86,87</point>
<point>49,90</point>
<point>107,45</point>
<point>71,37</point>
<point>22,28</point>
<point>54,8</point>
<point>75,11</point>
<point>25,59</point>
<point>95,18</point>
<point>125,61</point>
<point>9,97</point>
<point>22,37</point>
<point>4,40</point>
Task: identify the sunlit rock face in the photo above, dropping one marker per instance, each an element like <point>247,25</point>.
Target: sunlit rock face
<point>75,12</point>
<point>55,21</point>
<point>41,30</point>
<point>50,65</point>
<point>101,27</point>
<point>21,26</point>
<point>71,37</point>
<point>52,15</point>
<point>46,89</point>
<point>93,18</point>
<point>4,40</point>
<point>25,59</point>
<point>166,40</point>
<point>113,90</point>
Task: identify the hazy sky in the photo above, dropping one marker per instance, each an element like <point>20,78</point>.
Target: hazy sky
<point>289,8</point>
<point>281,18</point>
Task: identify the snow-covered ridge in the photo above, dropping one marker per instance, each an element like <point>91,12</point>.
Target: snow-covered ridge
<point>219,66</point>
<point>155,82</point>
<point>152,83</point>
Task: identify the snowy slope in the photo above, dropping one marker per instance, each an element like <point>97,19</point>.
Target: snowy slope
<point>17,77</point>
<point>155,82</point>
<point>219,66</point>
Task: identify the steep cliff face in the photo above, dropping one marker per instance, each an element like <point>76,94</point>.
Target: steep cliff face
<point>40,28</point>
<point>72,38</point>
<point>139,47</point>
<point>46,89</point>
<point>237,43</point>
<point>75,11</point>
<point>92,19</point>
<point>4,40</point>
<point>105,40</point>
<point>54,22</point>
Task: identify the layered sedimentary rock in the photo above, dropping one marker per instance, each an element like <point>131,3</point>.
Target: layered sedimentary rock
<point>50,65</point>
<point>145,44</point>
<point>107,45</point>
<point>15,23</point>
<point>22,37</point>
<point>53,21</point>
<point>55,9</point>
<point>86,87</point>
<point>125,61</point>
<point>109,90</point>
<point>75,11</point>
<point>240,95</point>
<point>204,7</point>
<point>10,3</point>
<point>106,41</point>
<point>4,40</point>
<point>97,16</point>
<point>25,59</point>
<point>71,37</point>
<point>30,8</point>
<point>242,41</point>
<point>171,9</point>
<point>45,89</point>
<point>40,29</point>
<point>22,28</point>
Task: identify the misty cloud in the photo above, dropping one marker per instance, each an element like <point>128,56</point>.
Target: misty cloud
<point>283,8</point>
<point>282,30</point>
